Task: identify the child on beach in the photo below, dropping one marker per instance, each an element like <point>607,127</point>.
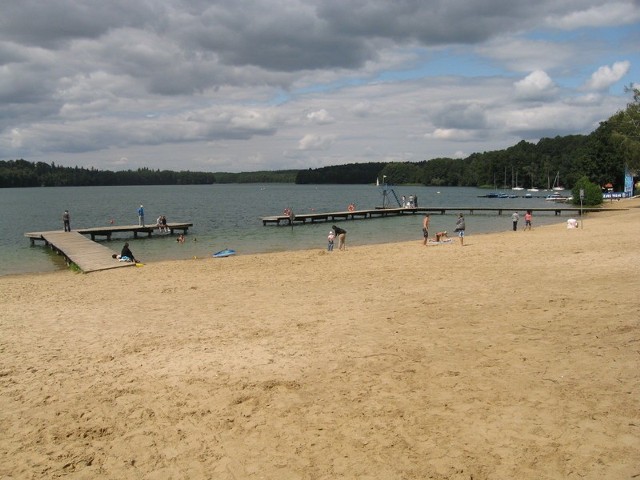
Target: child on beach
<point>527,220</point>
<point>442,236</point>
<point>330,239</point>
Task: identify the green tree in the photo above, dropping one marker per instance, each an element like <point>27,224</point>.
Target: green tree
<point>592,192</point>
<point>625,135</point>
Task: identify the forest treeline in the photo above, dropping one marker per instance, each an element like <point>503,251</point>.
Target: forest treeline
<point>600,156</point>
<point>21,173</point>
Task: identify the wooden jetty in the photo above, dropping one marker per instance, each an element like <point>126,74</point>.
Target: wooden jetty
<point>88,255</point>
<point>333,216</point>
<point>135,229</point>
<point>394,212</point>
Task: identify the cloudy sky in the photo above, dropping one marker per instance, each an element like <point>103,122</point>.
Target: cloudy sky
<point>244,85</point>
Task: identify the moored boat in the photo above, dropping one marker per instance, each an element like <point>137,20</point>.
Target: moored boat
<point>557,197</point>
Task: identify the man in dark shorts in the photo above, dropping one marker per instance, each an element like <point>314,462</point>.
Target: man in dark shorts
<point>66,220</point>
<point>425,229</point>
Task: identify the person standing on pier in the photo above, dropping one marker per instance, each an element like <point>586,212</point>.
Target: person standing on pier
<point>66,220</point>
<point>141,216</point>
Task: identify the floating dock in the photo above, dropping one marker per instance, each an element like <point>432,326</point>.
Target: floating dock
<point>394,212</point>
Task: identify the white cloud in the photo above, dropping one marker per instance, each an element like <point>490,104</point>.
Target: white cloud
<point>320,117</point>
<point>534,85</point>
<point>606,76</point>
<point>316,142</point>
<point>16,138</point>
<point>451,134</point>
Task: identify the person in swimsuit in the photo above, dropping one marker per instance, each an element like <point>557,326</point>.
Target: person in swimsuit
<point>527,220</point>
<point>441,236</point>
<point>425,229</point>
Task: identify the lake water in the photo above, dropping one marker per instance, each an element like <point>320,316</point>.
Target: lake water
<point>228,216</point>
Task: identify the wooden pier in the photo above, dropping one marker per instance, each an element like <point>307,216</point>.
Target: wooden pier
<point>333,216</point>
<point>135,229</point>
<point>88,255</point>
<point>394,212</point>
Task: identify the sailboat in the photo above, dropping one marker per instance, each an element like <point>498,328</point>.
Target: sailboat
<point>516,187</point>
<point>556,183</point>
<point>533,187</point>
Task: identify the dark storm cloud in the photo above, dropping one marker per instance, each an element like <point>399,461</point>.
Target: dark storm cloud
<point>434,22</point>
<point>49,23</point>
<point>274,36</point>
<point>287,39</point>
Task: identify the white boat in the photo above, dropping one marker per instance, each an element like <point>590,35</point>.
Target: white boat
<point>556,197</point>
<point>532,189</point>
<point>556,183</point>
<point>515,187</point>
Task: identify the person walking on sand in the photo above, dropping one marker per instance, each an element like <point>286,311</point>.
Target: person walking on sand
<point>514,218</point>
<point>527,220</point>
<point>342,237</point>
<point>66,221</point>
<point>141,216</point>
<point>425,229</point>
<point>460,226</point>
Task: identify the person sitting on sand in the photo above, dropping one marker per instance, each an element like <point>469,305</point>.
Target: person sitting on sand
<point>126,252</point>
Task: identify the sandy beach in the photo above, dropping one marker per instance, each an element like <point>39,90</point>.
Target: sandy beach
<point>515,356</point>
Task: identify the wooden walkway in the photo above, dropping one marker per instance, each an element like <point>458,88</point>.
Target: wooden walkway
<point>135,229</point>
<point>88,255</point>
<point>394,212</point>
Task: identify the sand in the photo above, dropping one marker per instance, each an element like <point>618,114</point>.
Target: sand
<point>515,356</point>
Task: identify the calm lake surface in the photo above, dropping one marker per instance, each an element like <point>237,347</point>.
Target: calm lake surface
<point>228,216</point>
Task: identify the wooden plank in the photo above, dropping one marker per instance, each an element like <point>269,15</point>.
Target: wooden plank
<point>89,256</point>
